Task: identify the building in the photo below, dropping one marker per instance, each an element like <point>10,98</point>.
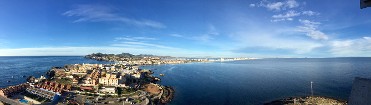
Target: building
<point>91,79</point>
<point>109,80</point>
<point>110,90</point>
<point>86,88</point>
<point>59,72</point>
<point>11,90</point>
<point>53,96</point>
<point>54,86</point>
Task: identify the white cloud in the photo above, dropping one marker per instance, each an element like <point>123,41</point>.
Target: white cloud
<point>277,6</point>
<point>128,38</point>
<point>288,6</point>
<point>309,13</point>
<point>211,33</point>
<point>139,42</point>
<point>80,51</point>
<point>99,13</point>
<point>275,39</point>
<point>204,37</point>
<point>352,47</point>
<point>292,4</point>
<point>310,29</point>
<point>135,45</point>
<point>367,38</point>
<point>252,5</point>
<point>144,45</point>
<point>176,35</point>
<point>289,15</point>
<point>294,46</point>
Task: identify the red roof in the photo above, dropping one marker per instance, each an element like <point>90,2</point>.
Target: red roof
<point>86,88</point>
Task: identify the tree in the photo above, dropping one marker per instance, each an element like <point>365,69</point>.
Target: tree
<point>31,79</point>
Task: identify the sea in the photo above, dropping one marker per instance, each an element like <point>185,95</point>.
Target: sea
<point>248,82</point>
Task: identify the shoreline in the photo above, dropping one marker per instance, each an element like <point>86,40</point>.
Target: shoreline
<point>67,71</point>
<point>299,100</point>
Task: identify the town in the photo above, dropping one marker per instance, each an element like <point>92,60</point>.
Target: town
<point>91,84</point>
<point>145,59</point>
<point>120,82</point>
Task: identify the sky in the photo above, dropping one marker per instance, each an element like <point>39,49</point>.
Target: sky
<point>186,28</point>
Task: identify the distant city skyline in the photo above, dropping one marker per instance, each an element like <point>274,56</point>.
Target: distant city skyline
<point>191,28</point>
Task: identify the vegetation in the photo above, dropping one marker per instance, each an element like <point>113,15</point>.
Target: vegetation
<point>100,86</point>
<point>31,79</point>
<point>129,90</point>
<point>137,101</point>
<point>119,91</point>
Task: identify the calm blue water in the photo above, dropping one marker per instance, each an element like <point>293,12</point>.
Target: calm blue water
<point>258,81</point>
<point>14,68</point>
<point>233,83</point>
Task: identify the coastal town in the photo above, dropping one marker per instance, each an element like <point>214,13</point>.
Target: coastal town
<point>121,82</point>
<point>145,59</point>
<point>92,84</point>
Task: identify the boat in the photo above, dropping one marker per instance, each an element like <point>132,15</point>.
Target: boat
<point>162,74</point>
<point>8,81</point>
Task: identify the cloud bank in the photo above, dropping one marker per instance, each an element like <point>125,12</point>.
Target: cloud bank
<point>100,13</point>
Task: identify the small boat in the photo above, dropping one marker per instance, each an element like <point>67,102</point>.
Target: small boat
<point>24,76</point>
<point>8,81</point>
<point>162,74</point>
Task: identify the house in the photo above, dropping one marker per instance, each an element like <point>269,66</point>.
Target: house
<point>110,90</point>
<point>109,80</point>
<point>11,90</point>
<point>53,96</point>
<point>54,86</point>
<point>86,88</point>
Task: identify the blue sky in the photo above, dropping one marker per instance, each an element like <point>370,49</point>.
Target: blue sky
<point>186,28</point>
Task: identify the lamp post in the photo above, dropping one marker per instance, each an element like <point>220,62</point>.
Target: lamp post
<point>311,87</point>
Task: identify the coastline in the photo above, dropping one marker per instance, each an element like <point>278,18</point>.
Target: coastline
<point>181,94</point>
<point>54,75</point>
<point>305,100</point>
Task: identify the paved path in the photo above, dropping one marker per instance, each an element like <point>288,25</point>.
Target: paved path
<point>9,101</point>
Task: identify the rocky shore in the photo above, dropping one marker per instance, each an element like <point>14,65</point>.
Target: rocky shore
<point>168,95</point>
<point>309,100</point>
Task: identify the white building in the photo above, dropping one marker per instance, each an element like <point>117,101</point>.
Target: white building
<point>110,90</point>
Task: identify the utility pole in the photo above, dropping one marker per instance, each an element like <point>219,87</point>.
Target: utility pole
<point>311,88</point>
